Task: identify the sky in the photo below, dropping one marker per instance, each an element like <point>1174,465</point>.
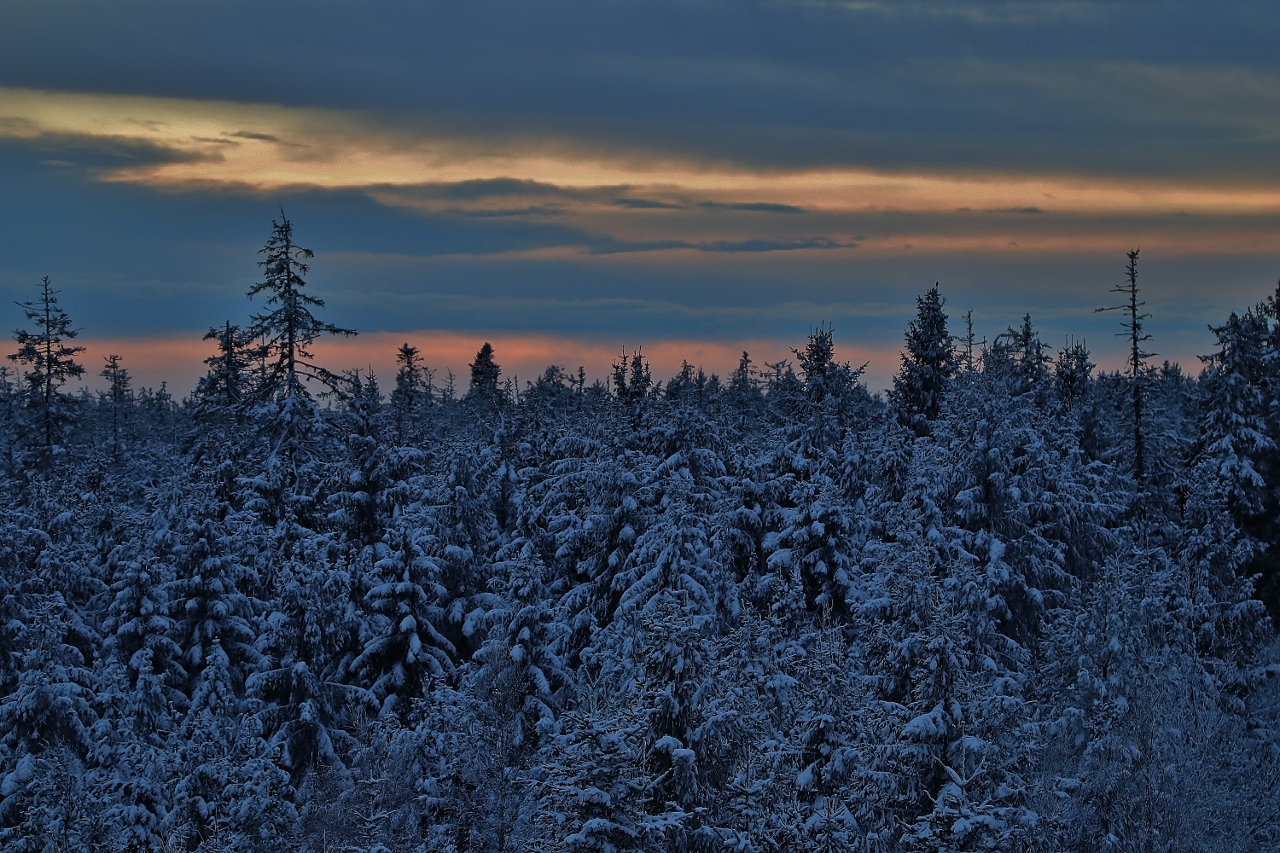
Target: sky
<point>570,180</point>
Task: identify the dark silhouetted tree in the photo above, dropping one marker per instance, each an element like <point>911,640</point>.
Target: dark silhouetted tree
<point>227,384</point>
<point>1137,356</point>
<point>118,398</point>
<point>412,391</point>
<point>928,364</point>
<point>632,378</point>
<point>823,375</point>
<point>744,393</point>
<point>1030,364</point>
<point>287,327</point>
<point>51,362</point>
<point>1071,373</point>
<point>484,375</point>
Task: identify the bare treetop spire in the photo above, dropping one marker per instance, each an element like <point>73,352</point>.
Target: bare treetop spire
<point>1132,325</point>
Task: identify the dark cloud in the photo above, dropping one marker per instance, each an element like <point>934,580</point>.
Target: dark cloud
<point>485,189</point>
<point>248,134</point>
<point>97,153</point>
<point>1074,86</point>
<point>507,189</point>
<point>476,190</point>
<point>511,188</point>
<point>752,206</point>
<point>501,212</point>
<point>608,245</point>
<point>647,204</point>
<point>761,245</point>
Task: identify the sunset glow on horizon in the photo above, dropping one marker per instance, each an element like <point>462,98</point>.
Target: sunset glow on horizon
<point>179,361</point>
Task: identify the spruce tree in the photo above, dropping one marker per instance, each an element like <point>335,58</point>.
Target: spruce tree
<point>227,384</point>
<point>288,327</point>
<point>484,376</point>
<point>1030,362</point>
<point>928,364</point>
<point>1233,430</point>
<point>1071,373</point>
<point>743,393</point>
<point>412,391</point>
<point>824,376</point>
<point>631,377</point>
<point>287,485</point>
<point>405,649</point>
<point>51,362</point>
<point>118,398</point>
<point>219,406</point>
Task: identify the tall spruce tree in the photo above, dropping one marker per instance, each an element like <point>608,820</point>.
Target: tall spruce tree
<point>484,375</point>
<point>928,363</point>
<point>287,326</point>
<point>287,485</point>
<point>51,362</point>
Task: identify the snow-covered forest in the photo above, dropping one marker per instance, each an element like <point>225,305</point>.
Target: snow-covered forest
<point>1015,604</point>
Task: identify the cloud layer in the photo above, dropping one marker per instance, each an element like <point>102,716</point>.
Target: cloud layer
<point>644,172</point>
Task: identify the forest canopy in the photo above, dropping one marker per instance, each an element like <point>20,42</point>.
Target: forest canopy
<point>1013,604</point>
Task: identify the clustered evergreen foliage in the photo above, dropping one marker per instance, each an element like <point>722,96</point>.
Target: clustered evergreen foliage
<point>773,613</point>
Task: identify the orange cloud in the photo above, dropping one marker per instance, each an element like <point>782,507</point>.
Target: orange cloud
<point>269,147</point>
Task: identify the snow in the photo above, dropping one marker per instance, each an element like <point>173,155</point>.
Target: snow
<point>717,614</point>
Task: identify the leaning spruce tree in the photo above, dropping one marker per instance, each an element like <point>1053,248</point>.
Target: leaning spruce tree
<point>287,327</point>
